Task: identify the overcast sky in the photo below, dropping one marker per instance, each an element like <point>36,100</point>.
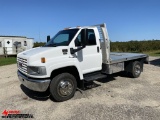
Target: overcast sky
<point>126,19</point>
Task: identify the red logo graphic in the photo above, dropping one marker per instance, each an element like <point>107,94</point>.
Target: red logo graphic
<point>15,114</point>
<point>5,112</point>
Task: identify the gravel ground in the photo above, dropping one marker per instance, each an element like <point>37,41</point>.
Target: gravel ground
<point>116,98</point>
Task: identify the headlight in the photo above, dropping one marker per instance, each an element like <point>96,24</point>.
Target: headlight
<point>32,70</point>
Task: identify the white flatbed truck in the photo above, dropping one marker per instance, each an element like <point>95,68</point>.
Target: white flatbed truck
<point>74,56</point>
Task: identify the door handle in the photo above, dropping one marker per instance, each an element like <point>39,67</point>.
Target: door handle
<point>98,49</point>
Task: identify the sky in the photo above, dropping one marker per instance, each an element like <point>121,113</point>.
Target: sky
<point>125,19</point>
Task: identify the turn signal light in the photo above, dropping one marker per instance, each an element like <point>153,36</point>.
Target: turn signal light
<point>43,60</point>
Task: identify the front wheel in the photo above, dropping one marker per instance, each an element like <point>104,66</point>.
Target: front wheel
<point>63,87</point>
<point>136,69</point>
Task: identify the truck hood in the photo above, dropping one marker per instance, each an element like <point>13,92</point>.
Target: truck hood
<point>38,50</point>
<point>34,55</point>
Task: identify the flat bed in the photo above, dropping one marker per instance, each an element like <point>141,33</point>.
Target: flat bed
<point>116,57</point>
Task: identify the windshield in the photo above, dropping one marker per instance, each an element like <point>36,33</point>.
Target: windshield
<point>62,38</point>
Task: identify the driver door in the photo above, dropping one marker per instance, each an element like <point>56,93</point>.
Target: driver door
<point>89,58</point>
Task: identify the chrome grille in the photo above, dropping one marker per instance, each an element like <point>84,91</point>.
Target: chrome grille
<point>22,65</point>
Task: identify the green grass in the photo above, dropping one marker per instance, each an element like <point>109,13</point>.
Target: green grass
<point>7,61</point>
<point>153,53</point>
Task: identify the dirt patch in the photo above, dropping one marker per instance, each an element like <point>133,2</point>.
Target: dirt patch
<point>117,97</point>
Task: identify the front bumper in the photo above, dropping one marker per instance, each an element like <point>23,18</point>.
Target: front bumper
<point>40,85</point>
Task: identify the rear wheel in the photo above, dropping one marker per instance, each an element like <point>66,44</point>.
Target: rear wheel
<point>63,87</point>
<point>136,69</point>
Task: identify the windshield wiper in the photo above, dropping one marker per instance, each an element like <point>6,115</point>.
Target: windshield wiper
<point>52,45</point>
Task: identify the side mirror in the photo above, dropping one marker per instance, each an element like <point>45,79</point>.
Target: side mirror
<point>84,37</point>
<point>48,38</point>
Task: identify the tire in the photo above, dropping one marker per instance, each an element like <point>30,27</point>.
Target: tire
<point>136,69</point>
<point>63,87</point>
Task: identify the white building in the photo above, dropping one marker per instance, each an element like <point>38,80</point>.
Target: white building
<point>11,45</point>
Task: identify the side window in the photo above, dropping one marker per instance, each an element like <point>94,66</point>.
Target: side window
<point>78,40</point>
<point>0,44</point>
<point>91,37</point>
<point>25,43</point>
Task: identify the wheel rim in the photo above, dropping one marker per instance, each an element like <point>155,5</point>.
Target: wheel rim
<point>65,88</point>
<point>137,69</point>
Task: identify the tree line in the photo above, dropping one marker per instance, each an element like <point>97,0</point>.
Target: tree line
<point>129,46</point>
<point>136,46</point>
<point>38,44</point>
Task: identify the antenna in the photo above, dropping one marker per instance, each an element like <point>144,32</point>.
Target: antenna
<point>39,35</point>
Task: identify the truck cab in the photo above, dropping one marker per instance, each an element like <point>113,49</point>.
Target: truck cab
<point>74,56</point>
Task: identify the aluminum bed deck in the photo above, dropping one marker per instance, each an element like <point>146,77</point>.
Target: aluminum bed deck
<point>116,57</point>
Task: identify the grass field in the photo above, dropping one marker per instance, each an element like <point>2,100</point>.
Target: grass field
<point>7,61</point>
<point>153,53</point>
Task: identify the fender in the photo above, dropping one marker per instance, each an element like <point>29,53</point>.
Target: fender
<point>63,65</point>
